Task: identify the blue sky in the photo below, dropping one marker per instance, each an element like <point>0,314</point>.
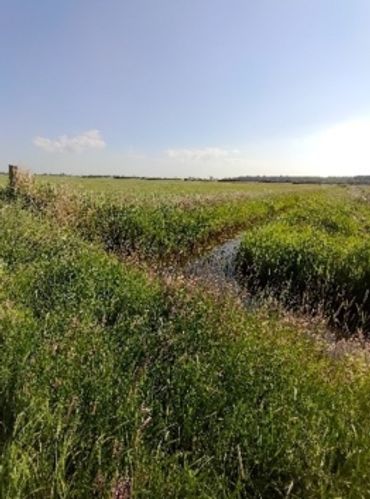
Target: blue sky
<point>186,87</point>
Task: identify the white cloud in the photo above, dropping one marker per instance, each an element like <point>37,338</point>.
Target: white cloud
<point>90,139</point>
<point>204,154</point>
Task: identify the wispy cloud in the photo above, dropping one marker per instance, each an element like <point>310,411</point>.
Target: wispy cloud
<point>204,154</point>
<point>91,139</point>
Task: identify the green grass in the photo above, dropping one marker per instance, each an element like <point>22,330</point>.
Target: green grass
<point>113,376</point>
<point>164,188</point>
<point>317,254</point>
<point>108,374</point>
<point>159,227</point>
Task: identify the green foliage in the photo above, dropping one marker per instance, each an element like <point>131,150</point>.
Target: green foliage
<point>317,255</point>
<point>164,231</point>
<point>109,376</point>
<point>160,229</point>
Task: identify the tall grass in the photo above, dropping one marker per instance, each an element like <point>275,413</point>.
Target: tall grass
<point>317,255</point>
<point>113,381</point>
<point>158,229</point>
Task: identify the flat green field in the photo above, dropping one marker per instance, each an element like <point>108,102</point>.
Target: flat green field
<point>137,187</point>
<point>123,376</point>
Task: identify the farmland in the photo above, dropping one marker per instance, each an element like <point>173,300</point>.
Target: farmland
<point>155,188</point>
<point>119,375</point>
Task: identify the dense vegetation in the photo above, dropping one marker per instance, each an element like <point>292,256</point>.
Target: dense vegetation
<point>166,226</point>
<point>116,382</point>
<point>155,188</point>
<point>317,255</point>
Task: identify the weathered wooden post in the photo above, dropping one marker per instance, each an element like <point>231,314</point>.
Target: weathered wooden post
<point>13,174</point>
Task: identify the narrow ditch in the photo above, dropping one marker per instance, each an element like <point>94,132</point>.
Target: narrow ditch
<point>218,268</point>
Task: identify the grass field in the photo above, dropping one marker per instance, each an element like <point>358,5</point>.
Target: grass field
<point>164,222</point>
<point>120,381</point>
<point>138,187</point>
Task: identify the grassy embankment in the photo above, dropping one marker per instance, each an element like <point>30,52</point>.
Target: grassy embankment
<point>162,226</point>
<point>111,378</point>
<point>316,255</point>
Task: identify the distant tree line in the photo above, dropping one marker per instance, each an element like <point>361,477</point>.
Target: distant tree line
<point>356,180</point>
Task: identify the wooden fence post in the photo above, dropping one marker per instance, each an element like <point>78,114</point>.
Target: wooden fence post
<point>13,173</point>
